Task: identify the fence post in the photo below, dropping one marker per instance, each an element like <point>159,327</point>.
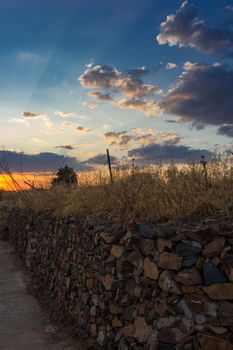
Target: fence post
<point>109,166</point>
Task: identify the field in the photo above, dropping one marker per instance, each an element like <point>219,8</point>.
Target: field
<point>154,192</point>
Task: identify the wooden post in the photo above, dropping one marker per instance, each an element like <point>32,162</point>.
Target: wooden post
<point>109,166</point>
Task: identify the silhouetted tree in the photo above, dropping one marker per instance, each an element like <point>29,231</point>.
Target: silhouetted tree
<point>66,176</point>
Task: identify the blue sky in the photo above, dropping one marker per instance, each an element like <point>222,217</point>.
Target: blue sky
<point>55,56</point>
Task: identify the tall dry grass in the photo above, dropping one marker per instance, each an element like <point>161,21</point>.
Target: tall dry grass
<point>152,192</point>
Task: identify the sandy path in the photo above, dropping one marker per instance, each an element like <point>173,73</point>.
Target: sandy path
<point>22,324</point>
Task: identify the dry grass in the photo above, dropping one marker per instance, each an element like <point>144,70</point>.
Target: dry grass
<point>152,193</point>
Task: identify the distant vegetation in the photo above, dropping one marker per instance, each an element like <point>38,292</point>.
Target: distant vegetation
<point>65,176</point>
<point>153,192</point>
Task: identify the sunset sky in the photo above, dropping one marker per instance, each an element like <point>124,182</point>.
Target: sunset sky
<point>148,79</point>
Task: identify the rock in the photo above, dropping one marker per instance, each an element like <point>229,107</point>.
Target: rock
<point>171,335</point>
<point>163,244</point>
<point>226,313</point>
<point>214,248</point>
<point>197,304</point>
<point>169,261</point>
<point>147,246</point>
<point>213,343</point>
<point>168,284</point>
<point>189,277</point>
<point>212,274</point>
<point>129,330</point>
<point>150,269</point>
<point>107,281</point>
<point>117,250</point>
<point>223,291</point>
<point>202,236</point>
<point>187,250</point>
<point>164,346</point>
<point>189,261</point>
<point>102,338</point>
<point>229,273</point>
<point>146,232</point>
<point>133,289</point>
<point>165,230</point>
<point>227,261</point>
<point>141,330</point>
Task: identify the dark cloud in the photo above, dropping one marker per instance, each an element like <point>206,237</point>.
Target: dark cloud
<point>101,96</point>
<point>186,29</point>
<point>66,147</point>
<point>226,130</point>
<point>83,130</point>
<point>119,139</point>
<point>203,94</point>
<point>166,153</point>
<point>100,159</point>
<point>29,115</point>
<point>41,162</point>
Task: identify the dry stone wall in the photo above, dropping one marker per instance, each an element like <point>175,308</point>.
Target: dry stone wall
<point>154,286</point>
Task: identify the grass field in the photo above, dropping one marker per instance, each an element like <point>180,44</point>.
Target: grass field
<point>153,192</point>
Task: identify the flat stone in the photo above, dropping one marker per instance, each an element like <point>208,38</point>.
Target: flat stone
<point>169,261</point>
<point>168,284</point>
<point>223,291</point>
<point>117,250</point>
<point>141,330</point>
<point>107,281</point>
<point>147,246</point>
<point>226,313</point>
<point>197,304</point>
<point>165,230</point>
<point>187,250</point>
<point>188,262</point>
<point>212,274</point>
<point>146,232</point>
<point>202,236</point>
<point>189,277</point>
<point>150,269</point>
<point>213,343</point>
<point>164,346</point>
<point>164,244</point>
<point>214,248</point>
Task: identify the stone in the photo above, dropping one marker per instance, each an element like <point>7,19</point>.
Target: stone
<point>187,250</point>
<point>171,335</point>
<point>212,274</point>
<point>147,246</point>
<point>189,277</point>
<point>102,338</point>
<point>168,284</point>
<point>223,291</point>
<point>165,230</point>
<point>129,330</point>
<point>169,261</point>
<point>226,313</point>
<point>229,273</point>
<point>107,281</point>
<point>188,262</point>
<point>117,250</point>
<point>141,330</point>
<point>227,261</point>
<point>164,244</point>
<point>208,342</point>
<point>164,346</point>
<point>133,289</point>
<point>146,232</point>
<point>214,248</point>
<point>197,304</point>
<point>202,236</point>
<point>150,269</point>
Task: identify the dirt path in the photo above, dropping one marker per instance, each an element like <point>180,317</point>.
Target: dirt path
<point>22,324</point>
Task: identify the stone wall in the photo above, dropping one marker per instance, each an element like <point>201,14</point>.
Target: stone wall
<point>154,286</point>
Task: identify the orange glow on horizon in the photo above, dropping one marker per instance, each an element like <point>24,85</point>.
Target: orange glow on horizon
<point>20,181</point>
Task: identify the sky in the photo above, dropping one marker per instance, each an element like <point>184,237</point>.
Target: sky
<point>149,79</point>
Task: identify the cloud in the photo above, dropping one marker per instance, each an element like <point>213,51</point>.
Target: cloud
<point>226,130</point>
<point>40,162</point>
<point>166,153</point>
<point>138,72</point>
<point>66,147</point>
<point>134,92</point>
<point>170,66</point>
<point>91,106</point>
<point>83,130</point>
<point>108,77</point>
<point>100,159</point>
<point>29,115</point>
<point>139,137</point>
<point>119,139</point>
<point>101,96</point>
<point>63,114</point>
<point>203,94</point>
<point>185,29</point>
